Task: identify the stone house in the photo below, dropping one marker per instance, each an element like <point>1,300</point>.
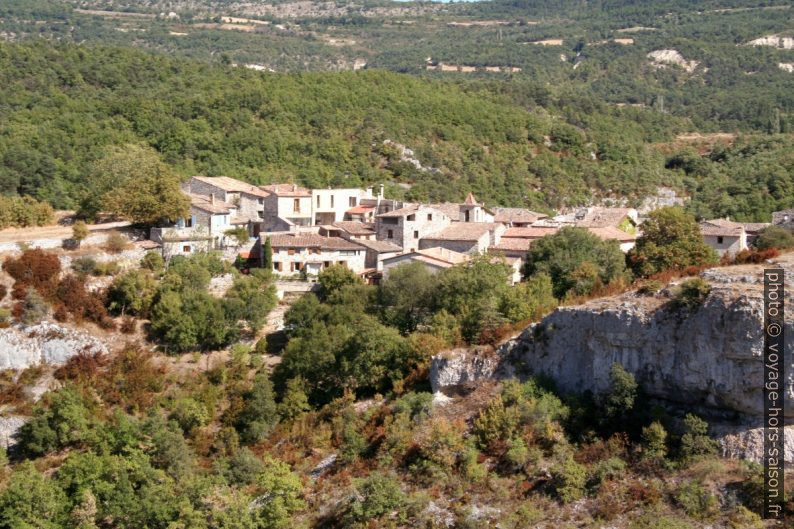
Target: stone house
<point>784,218</point>
<point>248,200</point>
<point>728,237</point>
<point>625,240</point>
<point>465,237</point>
<point>332,205</point>
<point>286,205</point>
<point>350,230</point>
<point>407,225</point>
<point>469,211</point>
<point>377,252</point>
<point>517,217</point>
<point>309,254</point>
<point>511,247</point>
<point>434,259</point>
<point>624,219</point>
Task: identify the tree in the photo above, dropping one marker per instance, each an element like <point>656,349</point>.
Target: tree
<point>133,183</point>
<point>618,400</point>
<point>335,277</point>
<point>259,413</point>
<point>32,501</point>
<point>670,240</point>
<point>654,438</point>
<point>250,299</point>
<point>280,493</point>
<point>267,254</point>
<point>131,293</point>
<point>774,237</point>
<point>406,296</point>
<point>79,232</point>
<point>695,441</point>
<point>576,260</point>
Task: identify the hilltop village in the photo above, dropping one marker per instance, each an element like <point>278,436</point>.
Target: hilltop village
<point>310,230</point>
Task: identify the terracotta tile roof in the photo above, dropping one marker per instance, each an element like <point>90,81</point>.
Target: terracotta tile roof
<point>725,227</point>
<point>512,245</point>
<point>609,233</point>
<point>603,217</point>
<point>360,210</point>
<point>450,209</point>
<point>287,190</point>
<point>508,215</point>
<point>379,246</point>
<point>529,232</point>
<point>354,227</point>
<point>463,231</point>
<point>232,185</point>
<point>204,203</point>
<point>310,240</point>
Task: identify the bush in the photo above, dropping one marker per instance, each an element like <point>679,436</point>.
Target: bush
<point>755,256</point>
<point>569,479</point>
<point>116,243</point>
<point>654,438</point>
<point>697,501</point>
<point>333,278</point>
<point>21,212</point>
<point>35,268</point>
<point>189,414</point>
<point>774,237</point>
<point>495,424</point>
<point>153,261</point>
<point>377,495</point>
<point>84,266</point>
<point>79,232</point>
<point>691,293</point>
<point>131,293</point>
<point>695,441</point>
<point>32,309</point>
<point>5,318</point>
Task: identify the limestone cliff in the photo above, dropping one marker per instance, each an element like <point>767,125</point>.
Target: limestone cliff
<point>709,358</point>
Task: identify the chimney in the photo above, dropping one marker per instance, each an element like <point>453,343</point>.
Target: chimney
<point>212,199</point>
<point>380,191</point>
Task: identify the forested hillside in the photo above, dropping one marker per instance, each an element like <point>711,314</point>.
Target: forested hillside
<point>511,144</point>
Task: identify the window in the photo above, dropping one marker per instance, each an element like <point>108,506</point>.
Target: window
<point>416,234</point>
<point>189,222</point>
<point>318,201</point>
<point>261,214</point>
<point>186,248</point>
<point>296,205</point>
<point>326,264</point>
<point>466,216</point>
<point>429,216</point>
<point>390,234</point>
<point>719,240</point>
<point>298,266</point>
<point>348,253</point>
<point>351,202</point>
<point>277,266</point>
<point>411,217</point>
<point>332,201</point>
<point>291,251</point>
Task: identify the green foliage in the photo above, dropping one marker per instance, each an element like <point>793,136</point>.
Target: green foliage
<point>61,420</point>
<point>670,240</point>
<point>84,266</point>
<point>691,293</point>
<point>576,261</point>
<point>32,501</point>
<point>377,495</point>
<point>33,308</point>
<point>267,254</point>
<point>295,401</point>
<point>495,423</point>
<point>79,231</point>
<point>280,495</point>
<point>697,501</point>
<point>654,438</point>
<point>333,278</point>
<point>406,295</point>
<point>250,299</point>
<point>695,441</point>
<point>241,236</point>
<point>188,414</point>
<point>618,401</point>
<point>21,212</point>
<point>131,293</point>
<point>259,413</point>
<point>133,183</point>
<point>774,237</point>
<point>569,479</point>
<point>153,261</point>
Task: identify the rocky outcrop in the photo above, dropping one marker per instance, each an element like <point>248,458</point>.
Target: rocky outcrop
<point>663,58</point>
<point>709,358</point>
<point>48,343</point>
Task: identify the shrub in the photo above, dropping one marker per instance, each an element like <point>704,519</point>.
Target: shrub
<point>618,400</point>
<point>377,495</point>
<point>695,441</point>
<point>131,293</point>
<point>32,309</point>
<point>569,479</point>
<point>5,318</point>
<point>650,287</point>
<point>744,518</point>
<point>333,278</point>
<point>691,293</point>
<point>3,292</point>
<point>24,211</point>
<point>153,261</point>
<point>259,412</point>
<point>774,237</point>
<point>280,498</point>
<point>295,402</point>
<point>494,424</point>
<point>79,232</point>
<point>116,243</point>
<point>755,256</point>
<point>697,501</point>
<point>654,438</point>
<point>84,265</point>
<point>35,268</point>
<point>188,414</point>
<point>128,325</point>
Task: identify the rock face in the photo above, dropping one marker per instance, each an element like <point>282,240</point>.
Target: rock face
<point>663,58</point>
<point>709,358</point>
<point>22,347</point>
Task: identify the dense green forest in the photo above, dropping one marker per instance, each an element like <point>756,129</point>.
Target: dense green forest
<point>512,144</point>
